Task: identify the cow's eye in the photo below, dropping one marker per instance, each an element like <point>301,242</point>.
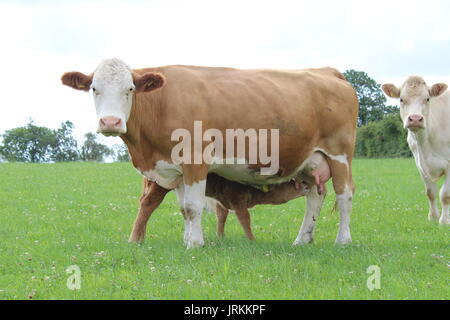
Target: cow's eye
<point>428,99</point>
<point>131,89</point>
<point>401,100</point>
<point>93,89</point>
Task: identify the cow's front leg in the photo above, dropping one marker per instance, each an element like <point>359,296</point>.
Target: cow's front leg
<point>194,179</point>
<point>151,198</point>
<point>314,203</point>
<point>432,194</point>
<point>445,200</point>
<point>187,224</point>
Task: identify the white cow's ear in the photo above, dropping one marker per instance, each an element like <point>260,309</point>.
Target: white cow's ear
<point>391,90</point>
<point>438,89</point>
<point>148,81</point>
<point>77,80</point>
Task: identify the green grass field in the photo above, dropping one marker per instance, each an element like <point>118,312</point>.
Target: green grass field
<point>53,216</point>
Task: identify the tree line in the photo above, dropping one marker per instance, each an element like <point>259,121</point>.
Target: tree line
<point>33,143</point>
<point>380,133</point>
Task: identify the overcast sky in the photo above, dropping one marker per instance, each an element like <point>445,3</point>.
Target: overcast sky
<point>40,40</point>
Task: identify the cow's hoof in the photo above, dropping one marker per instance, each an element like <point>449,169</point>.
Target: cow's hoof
<point>433,217</point>
<point>444,221</point>
<point>136,239</point>
<point>343,240</point>
<point>192,243</point>
<point>303,240</point>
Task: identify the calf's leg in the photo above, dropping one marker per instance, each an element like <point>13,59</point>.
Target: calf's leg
<point>151,198</point>
<point>244,219</point>
<point>222,215</point>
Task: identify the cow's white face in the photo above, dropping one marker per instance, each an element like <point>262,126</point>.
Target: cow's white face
<point>415,97</point>
<point>113,85</point>
<point>113,88</point>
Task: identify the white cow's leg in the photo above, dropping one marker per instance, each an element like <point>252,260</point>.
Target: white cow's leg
<point>187,223</point>
<point>445,200</point>
<point>344,204</point>
<point>314,203</point>
<point>194,202</point>
<point>432,194</point>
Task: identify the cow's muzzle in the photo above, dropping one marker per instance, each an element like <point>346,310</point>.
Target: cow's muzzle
<point>415,122</point>
<point>111,126</point>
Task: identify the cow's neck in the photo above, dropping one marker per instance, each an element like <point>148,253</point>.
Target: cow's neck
<point>421,138</point>
<point>142,127</point>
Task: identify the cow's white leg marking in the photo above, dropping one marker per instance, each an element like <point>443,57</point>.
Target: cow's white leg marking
<point>432,194</point>
<point>194,202</point>
<point>344,203</point>
<point>445,200</point>
<point>314,203</point>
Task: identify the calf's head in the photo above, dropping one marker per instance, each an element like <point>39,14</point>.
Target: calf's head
<point>113,85</point>
<point>415,97</point>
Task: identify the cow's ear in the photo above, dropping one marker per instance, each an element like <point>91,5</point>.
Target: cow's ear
<point>148,81</point>
<point>77,80</point>
<point>438,89</point>
<point>391,90</point>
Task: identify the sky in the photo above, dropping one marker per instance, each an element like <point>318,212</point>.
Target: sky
<point>40,40</point>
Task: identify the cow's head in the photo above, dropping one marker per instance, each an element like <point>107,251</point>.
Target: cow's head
<point>113,85</point>
<point>415,97</point>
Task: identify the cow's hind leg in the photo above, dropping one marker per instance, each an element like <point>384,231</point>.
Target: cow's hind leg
<point>445,200</point>
<point>150,200</point>
<point>314,202</point>
<point>344,188</point>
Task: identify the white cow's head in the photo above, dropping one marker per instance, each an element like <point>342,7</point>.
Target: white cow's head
<point>113,85</point>
<point>415,98</point>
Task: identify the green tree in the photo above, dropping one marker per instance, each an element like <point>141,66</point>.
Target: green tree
<point>383,139</point>
<point>372,102</point>
<point>92,150</point>
<point>121,153</point>
<point>65,148</point>
<point>28,144</point>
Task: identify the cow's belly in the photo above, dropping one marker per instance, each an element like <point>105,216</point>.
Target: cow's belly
<point>167,175</point>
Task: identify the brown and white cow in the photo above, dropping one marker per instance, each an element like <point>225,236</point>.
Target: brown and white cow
<point>425,112</point>
<point>313,109</point>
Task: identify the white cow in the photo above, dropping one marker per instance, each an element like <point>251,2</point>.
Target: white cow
<point>425,112</point>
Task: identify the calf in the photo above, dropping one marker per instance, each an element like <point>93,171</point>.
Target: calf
<point>425,112</point>
<point>238,197</point>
